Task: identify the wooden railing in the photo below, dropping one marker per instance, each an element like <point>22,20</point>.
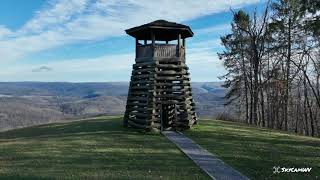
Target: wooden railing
<point>165,50</point>
<point>182,52</point>
<point>144,51</point>
<point>160,50</point>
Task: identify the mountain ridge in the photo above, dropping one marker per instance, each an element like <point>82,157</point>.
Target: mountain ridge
<point>30,103</point>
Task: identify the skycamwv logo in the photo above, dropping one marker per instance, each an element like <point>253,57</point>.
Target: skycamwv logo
<point>278,169</point>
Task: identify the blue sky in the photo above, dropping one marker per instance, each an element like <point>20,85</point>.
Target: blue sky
<point>84,40</point>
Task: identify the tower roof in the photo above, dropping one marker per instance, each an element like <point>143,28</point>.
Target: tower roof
<point>163,31</point>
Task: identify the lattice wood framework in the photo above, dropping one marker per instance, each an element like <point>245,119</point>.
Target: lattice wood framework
<point>160,95</point>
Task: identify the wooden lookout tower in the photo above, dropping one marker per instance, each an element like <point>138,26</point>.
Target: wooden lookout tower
<point>160,95</point>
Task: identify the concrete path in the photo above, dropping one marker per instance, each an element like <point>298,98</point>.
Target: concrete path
<point>208,162</point>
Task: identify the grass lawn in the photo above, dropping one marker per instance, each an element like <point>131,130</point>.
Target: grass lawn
<point>91,149</point>
<point>100,148</point>
<point>254,151</point>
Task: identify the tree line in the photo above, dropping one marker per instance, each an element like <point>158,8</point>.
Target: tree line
<point>272,60</point>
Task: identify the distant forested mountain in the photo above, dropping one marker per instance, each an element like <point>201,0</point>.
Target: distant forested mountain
<point>63,89</point>
<point>29,103</point>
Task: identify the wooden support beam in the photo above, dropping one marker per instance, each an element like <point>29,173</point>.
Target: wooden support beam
<point>171,72</point>
<point>166,59</point>
<point>153,39</point>
<point>141,82</point>
<point>133,98</point>
<point>150,70</point>
<point>179,39</point>
<point>137,104</point>
<point>144,64</point>
<point>145,115</point>
<point>170,84</point>
<point>170,78</point>
<point>139,93</point>
<point>140,88</point>
<point>137,42</point>
<point>170,96</point>
<point>171,66</point>
<point>140,110</point>
<point>138,76</point>
<point>143,59</point>
<point>167,102</point>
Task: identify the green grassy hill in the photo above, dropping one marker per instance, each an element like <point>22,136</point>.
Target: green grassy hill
<point>91,149</point>
<point>100,148</point>
<point>255,151</point>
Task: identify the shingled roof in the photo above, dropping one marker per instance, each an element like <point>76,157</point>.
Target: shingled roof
<point>163,30</point>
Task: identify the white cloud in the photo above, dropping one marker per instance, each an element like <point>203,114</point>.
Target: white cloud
<point>62,22</point>
<point>4,32</point>
<point>207,44</point>
<point>214,29</point>
<point>55,14</point>
<point>104,68</point>
<point>203,62</point>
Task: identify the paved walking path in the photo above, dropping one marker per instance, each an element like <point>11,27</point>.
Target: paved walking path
<point>208,162</point>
